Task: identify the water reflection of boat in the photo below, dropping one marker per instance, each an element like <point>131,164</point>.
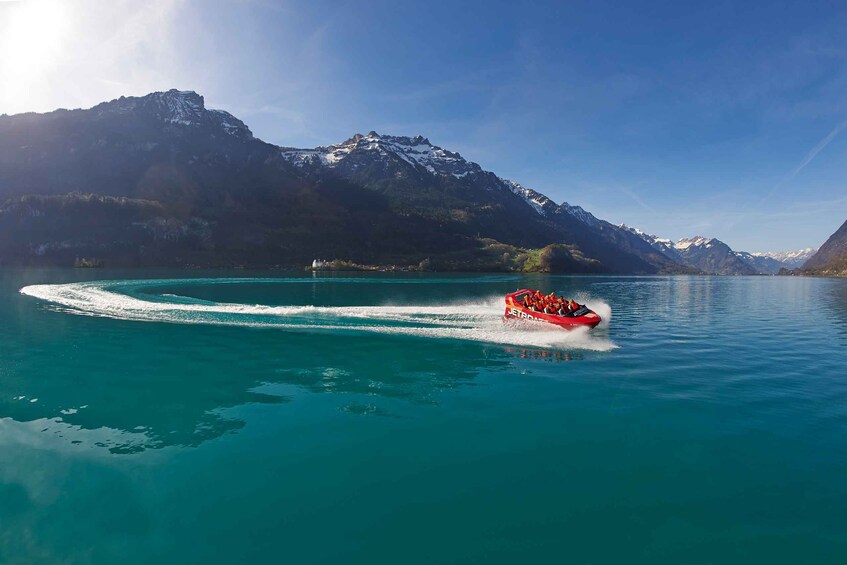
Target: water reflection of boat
<point>515,309</point>
<point>543,355</point>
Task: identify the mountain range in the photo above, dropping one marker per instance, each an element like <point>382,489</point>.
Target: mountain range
<point>712,256</point>
<point>162,180</point>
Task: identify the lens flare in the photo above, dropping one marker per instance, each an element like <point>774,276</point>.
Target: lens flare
<point>32,33</point>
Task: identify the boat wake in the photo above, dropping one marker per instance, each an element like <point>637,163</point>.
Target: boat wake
<point>480,321</point>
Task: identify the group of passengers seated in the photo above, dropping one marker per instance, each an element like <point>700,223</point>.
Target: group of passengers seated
<point>550,304</point>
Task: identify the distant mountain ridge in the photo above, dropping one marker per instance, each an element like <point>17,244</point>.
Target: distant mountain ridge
<point>761,264</point>
<point>362,150</point>
<point>162,180</point>
<point>791,259</point>
<point>425,175</point>
<point>416,151</point>
<point>712,256</point>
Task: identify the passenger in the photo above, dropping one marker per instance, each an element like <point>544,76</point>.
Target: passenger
<point>573,305</point>
<point>549,309</point>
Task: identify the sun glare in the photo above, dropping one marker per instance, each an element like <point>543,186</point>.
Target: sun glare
<point>32,36</point>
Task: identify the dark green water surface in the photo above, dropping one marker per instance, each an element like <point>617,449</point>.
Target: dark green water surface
<point>217,417</point>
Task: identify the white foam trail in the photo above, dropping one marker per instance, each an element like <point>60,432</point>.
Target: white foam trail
<point>603,309</point>
<point>474,321</point>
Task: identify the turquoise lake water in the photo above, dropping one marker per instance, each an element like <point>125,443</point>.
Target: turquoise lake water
<point>217,417</point>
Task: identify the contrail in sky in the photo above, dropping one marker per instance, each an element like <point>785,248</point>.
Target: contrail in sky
<point>817,149</point>
<point>810,156</point>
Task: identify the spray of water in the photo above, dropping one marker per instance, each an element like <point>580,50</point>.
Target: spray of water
<point>474,321</point>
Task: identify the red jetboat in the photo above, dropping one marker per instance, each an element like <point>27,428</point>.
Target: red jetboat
<point>515,309</point>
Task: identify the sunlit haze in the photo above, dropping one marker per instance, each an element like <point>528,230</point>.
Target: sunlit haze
<point>681,118</point>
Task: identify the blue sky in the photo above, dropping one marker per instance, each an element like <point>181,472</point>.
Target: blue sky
<point>721,119</point>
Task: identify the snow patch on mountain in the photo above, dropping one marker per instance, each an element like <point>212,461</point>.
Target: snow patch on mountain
<point>661,244</point>
<point>417,151</point>
<point>791,259</point>
<point>179,108</point>
<point>691,251</point>
<point>749,257</point>
<point>696,241</point>
<point>420,153</point>
<point>784,255</point>
<point>544,205</point>
<point>531,197</point>
<point>229,123</point>
<point>581,214</point>
<point>649,238</point>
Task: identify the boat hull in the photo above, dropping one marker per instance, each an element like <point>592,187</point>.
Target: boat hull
<point>515,310</point>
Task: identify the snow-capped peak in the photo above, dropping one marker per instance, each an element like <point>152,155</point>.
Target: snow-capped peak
<point>661,244</point>
<point>790,259</point>
<point>417,151</point>
<point>420,153</point>
<point>788,256</point>
<point>179,108</point>
<point>696,241</point>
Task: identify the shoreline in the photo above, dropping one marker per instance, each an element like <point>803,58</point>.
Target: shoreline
<point>362,268</point>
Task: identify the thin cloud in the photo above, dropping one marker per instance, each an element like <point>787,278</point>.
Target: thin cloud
<point>810,156</point>
<point>632,194</point>
<point>479,81</point>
